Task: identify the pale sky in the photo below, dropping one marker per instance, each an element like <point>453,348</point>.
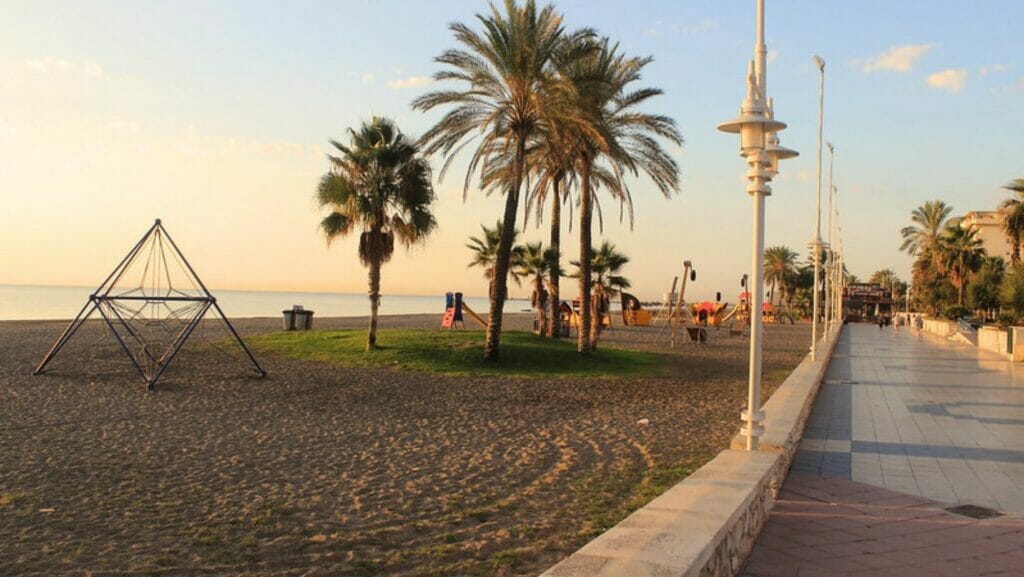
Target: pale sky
<point>215,116</point>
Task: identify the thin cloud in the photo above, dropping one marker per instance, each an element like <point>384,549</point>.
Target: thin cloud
<point>367,78</point>
<point>951,80</point>
<point>53,65</point>
<point>410,82</point>
<point>772,55</point>
<point>994,69</point>
<point>897,58</point>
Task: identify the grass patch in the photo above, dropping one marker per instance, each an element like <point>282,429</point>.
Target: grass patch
<point>461,353</point>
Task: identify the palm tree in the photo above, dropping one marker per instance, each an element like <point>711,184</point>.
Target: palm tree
<point>960,254</point>
<point>534,264</point>
<point>780,266</point>
<point>380,184</point>
<point>928,220</point>
<point>505,69</point>
<point>622,138</point>
<point>1013,218</point>
<point>485,254</point>
<point>852,279</point>
<point>606,265</point>
<point>885,278</point>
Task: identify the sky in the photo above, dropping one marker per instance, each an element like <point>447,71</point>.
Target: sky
<point>215,117</point>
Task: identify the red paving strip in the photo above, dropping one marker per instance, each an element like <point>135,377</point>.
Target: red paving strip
<point>830,526</point>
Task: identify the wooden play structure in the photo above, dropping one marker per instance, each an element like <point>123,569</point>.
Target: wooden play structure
<point>633,313</point>
<point>570,314</point>
<point>677,316</point>
<point>454,307</point>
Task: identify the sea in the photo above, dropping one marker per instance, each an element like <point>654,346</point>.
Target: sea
<point>23,302</point>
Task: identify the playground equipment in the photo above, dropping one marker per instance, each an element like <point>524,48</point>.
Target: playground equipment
<point>708,313</point>
<point>152,319</point>
<point>571,314</point>
<point>676,317</point>
<point>633,313</point>
<point>665,312</point>
<point>454,306</point>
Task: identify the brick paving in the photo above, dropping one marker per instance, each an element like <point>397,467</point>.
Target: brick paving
<point>833,526</point>
<point>905,427</point>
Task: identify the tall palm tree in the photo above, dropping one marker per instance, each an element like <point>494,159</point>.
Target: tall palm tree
<point>780,268</point>
<point>960,254</point>
<point>620,136</point>
<point>504,69</point>
<point>534,264</point>
<point>485,254</point>
<point>380,184</point>
<point>929,220</point>
<point>1013,218</point>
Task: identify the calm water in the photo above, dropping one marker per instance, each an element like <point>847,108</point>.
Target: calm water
<point>53,302</point>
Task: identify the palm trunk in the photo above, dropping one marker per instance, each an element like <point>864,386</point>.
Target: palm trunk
<point>542,302</point>
<point>1015,251</point>
<point>583,342</point>
<point>371,337</point>
<point>554,328</point>
<point>508,227</point>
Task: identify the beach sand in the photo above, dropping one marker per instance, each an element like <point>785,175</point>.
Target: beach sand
<point>321,469</point>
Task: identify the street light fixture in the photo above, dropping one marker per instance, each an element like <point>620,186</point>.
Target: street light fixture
<point>816,241</point>
<point>757,126</point>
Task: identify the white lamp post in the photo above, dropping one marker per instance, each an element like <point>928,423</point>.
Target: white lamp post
<point>816,241</point>
<point>756,127</point>
<point>830,251</point>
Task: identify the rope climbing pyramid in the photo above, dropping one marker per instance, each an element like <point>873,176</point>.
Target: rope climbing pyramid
<point>152,302</point>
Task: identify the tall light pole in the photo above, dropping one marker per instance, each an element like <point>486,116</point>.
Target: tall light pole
<point>831,245</point>
<point>816,241</point>
<point>756,126</point>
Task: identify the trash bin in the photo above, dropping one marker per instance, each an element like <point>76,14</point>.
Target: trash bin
<point>304,320</point>
<point>289,320</point>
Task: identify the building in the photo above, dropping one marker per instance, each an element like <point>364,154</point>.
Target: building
<point>989,224</point>
<point>867,302</point>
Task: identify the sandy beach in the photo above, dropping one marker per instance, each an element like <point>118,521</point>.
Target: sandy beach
<point>327,470</point>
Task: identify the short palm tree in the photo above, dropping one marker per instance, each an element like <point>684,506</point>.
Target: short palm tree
<point>780,269</point>
<point>606,265</point>
<point>621,137</point>
<point>1013,218</point>
<point>379,184</point>
<point>485,254</point>
<point>504,70</point>
<point>534,264</point>
<point>960,255</point>
<point>929,220</point>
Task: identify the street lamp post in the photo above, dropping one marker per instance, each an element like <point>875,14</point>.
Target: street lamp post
<point>830,258</point>
<point>758,145</point>
<point>816,241</point>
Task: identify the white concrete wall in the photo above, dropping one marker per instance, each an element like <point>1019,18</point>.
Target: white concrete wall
<point>992,339</point>
<point>940,327</point>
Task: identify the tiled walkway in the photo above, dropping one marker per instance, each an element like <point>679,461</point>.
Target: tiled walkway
<point>904,427</point>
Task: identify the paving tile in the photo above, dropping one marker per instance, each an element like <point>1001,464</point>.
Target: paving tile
<point>942,423</point>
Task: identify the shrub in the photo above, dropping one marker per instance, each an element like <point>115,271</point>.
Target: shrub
<point>1011,292</point>
<point>956,312</point>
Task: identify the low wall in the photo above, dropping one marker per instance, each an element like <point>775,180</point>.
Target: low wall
<point>940,327</point>
<point>993,339</point>
<point>706,525</point>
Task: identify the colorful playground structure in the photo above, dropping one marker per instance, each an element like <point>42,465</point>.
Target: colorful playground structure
<point>454,307</point>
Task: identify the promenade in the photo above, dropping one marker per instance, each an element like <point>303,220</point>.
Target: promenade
<point>912,463</point>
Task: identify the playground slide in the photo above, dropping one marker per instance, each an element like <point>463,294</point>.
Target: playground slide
<point>473,315</point>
